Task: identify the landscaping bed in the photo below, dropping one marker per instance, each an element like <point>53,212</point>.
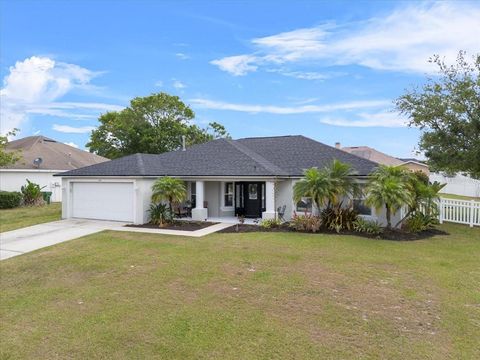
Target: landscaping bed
<point>177,225</point>
<point>397,235</point>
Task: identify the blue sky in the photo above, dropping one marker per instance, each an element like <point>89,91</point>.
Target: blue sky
<point>327,70</point>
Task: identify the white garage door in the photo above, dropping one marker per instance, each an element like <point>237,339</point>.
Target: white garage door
<point>103,201</point>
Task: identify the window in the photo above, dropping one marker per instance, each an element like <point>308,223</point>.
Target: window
<point>304,205</point>
<point>228,194</point>
<point>263,195</point>
<point>361,208</point>
<point>252,191</point>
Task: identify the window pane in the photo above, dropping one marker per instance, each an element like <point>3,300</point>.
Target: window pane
<point>237,199</point>
<point>263,196</point>
<point>360,207</point>
<point>228,200</point>
<point>305,204</point>
<point>252,192</point>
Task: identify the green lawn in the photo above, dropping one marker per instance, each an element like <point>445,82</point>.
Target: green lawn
<point>118,295</point>
<point>12,219</point>
<point>459,197</point>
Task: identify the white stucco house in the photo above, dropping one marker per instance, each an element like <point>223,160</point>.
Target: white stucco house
<point>40,159</point>
<point>225,178</point>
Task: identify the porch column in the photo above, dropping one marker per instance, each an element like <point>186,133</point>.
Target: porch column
<point>199,213</point>
<point>269,212</point>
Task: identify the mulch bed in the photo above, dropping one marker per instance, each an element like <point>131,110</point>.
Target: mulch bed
<point>177,225</point>
<point>396,235</point>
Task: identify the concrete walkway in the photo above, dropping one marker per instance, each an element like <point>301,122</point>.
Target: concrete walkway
<point>17,242</point>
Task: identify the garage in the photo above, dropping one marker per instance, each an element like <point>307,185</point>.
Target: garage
<point>103,200</point>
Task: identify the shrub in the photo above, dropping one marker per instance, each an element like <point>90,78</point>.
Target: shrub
<point>10,199</point>
<point>366,226</point>
<point>307,222</point>
<point>160,214</point>
<point>338,219</point>
<point>270,223</point>
<point>32,194</point>
<point>419,222</point>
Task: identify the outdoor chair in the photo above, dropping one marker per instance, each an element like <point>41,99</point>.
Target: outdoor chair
<point>281,212</point>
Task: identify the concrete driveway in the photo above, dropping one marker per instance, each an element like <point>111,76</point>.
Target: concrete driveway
<point>17,242</point>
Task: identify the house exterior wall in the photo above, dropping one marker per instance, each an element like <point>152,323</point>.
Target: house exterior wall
<point>14,179</point>
<point>416,167</point>
<point>284,196</point>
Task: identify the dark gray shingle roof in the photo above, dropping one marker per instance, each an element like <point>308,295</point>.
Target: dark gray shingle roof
<point>267,156</point>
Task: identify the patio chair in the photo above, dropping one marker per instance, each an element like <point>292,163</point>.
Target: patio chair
<point>281,212</point>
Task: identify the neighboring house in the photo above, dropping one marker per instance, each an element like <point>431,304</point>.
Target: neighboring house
<point>225,178</point>
<point>41,158</point>
<point>384,159</point>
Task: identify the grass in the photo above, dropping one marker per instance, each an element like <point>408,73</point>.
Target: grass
<point>459,197</point>
<point>11,219</point>
<point>244,296</point>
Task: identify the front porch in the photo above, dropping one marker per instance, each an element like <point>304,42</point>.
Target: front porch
<point>225,220</point>
<point>227,200</point>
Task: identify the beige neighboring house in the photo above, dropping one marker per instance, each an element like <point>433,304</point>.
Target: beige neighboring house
<point>41,158</point>
<point>384,159</point>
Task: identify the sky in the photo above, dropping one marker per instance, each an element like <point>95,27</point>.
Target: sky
<point>326,70</point>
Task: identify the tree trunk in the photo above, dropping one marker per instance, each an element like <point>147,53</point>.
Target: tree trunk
<point>387,213</point>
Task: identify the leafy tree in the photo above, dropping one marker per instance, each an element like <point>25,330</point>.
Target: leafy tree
<point>153,124</point>
<point>342,181</point>
<point>315,184</point>
<point>169,189</point>
<point>328,185</point>
<point>8,157</point>
<point>388,186</point>
<point>422,195</point>
<point>447,109</point>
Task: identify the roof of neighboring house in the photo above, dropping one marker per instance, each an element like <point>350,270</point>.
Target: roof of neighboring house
<point>379,157</point>
<point>55,155</point>
<point>267,156</point>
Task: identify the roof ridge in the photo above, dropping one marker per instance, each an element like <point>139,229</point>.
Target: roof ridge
<point>256,157</point>
<point>140,162</point>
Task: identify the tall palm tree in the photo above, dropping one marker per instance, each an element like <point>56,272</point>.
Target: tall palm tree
<point>315,184</point>
<point>169,189</point>
<point>342,181</point>
<point>388,186</point>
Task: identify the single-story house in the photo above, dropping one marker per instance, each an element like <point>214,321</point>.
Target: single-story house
<point>40,159</point>
<point>225,178</point>
<point>369,153</point>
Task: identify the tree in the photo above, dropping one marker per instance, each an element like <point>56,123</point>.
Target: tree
<point>342,181</point>
<point>153,124</point>
<point>388,186</point>
<point>8,157</point>
<point>328,185</point>
<point>169,189</point>
<point>447,109</point>
<point>315,184</point>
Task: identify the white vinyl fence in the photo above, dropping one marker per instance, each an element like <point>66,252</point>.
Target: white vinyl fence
<point>459,211</point>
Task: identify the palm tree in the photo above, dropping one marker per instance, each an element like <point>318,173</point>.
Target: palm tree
<point>388,186</point>
<point>169,189</point>
<point>315,184</point>
<point>342,181</point>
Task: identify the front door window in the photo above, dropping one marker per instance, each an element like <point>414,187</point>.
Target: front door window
<point>252,191</point>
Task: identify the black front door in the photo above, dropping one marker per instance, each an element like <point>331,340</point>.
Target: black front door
<point>253,199</point>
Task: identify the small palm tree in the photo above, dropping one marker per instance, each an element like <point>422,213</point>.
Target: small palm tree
<point>342,181</point>
<point>315,184</point>
<point>169,189</point>
<point>388,186</point>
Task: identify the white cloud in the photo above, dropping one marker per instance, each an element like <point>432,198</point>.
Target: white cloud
<point>182,56</point>
<point>72,144</point>
<point>34,86</point>
<point>285,110</point>
<point>178,84</point>
<point>237,65</point>
<point>378,119</point>
<point>402,40</point>
<point>72,129</point>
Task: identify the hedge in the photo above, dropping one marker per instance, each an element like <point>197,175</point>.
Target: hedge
<point>10,199</point>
